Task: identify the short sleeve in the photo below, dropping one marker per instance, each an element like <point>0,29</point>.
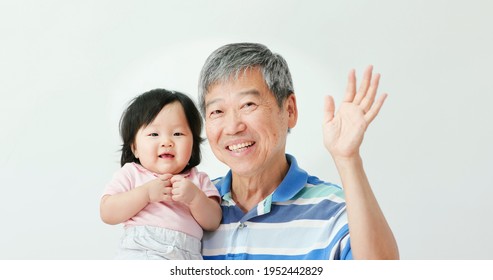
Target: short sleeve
<point>205,184</point>
<point>346,253</point>
<point>121,182</point>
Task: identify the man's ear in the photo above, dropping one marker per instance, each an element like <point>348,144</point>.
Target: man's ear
<point>292,110</point>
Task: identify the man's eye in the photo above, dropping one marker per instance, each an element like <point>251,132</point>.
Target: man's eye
<point>249,105</point>
<point>215,113</point>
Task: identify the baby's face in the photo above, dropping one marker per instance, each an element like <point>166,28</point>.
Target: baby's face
<point>165,145</point>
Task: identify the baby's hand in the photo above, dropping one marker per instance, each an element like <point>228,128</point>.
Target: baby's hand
<point>183,190</point>
<point>159,189</point>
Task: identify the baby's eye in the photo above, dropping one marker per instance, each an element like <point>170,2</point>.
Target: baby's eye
<point>178,134</point>
<point>153,134</point>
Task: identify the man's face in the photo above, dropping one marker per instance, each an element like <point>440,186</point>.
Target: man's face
<point>245,127</point>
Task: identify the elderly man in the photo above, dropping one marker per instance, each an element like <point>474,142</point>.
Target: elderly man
<point>273,209</point>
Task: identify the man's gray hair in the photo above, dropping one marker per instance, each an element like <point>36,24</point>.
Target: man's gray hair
<point>231,60</point>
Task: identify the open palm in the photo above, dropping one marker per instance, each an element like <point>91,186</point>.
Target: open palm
<point>344,131</point>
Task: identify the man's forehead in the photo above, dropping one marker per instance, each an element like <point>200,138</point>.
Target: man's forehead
<point>219,95</point>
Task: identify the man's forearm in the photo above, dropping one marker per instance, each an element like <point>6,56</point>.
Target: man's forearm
<point>371,236</point>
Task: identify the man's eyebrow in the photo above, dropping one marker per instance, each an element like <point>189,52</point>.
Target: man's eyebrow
<point>250,92</point>
<point>211,102</point>
<point>241,93</point>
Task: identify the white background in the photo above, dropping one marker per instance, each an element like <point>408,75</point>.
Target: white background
<point>68,68</point>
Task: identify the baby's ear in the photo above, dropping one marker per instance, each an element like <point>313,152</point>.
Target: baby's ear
<point>134,151</point>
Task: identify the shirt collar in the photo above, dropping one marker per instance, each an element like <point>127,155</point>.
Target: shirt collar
<point>142,169</point>
<point>293,182</point>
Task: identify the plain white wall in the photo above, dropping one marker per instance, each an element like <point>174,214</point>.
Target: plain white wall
<point>67,70</point>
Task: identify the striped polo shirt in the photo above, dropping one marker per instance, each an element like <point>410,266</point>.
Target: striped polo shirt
<point>304,218</point>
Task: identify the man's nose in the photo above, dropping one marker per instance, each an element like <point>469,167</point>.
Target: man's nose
<point>234,123</point>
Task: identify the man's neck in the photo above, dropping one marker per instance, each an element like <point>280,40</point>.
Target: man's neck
<point>248,191</point>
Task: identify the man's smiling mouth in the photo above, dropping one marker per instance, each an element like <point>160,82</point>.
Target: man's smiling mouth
<point>240,147</point>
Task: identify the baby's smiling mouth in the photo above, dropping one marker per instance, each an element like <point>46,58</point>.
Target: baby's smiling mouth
<point>166,155</point>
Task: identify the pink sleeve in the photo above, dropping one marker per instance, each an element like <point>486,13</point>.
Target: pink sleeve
<point>122,181</point>
<point>206,185</point>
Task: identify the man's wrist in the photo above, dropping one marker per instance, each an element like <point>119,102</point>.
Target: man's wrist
<point>347,161</point>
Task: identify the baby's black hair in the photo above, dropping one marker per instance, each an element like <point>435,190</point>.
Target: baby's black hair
<point>144,108</point>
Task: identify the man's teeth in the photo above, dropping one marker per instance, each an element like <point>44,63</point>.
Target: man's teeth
<point>239,146</point>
